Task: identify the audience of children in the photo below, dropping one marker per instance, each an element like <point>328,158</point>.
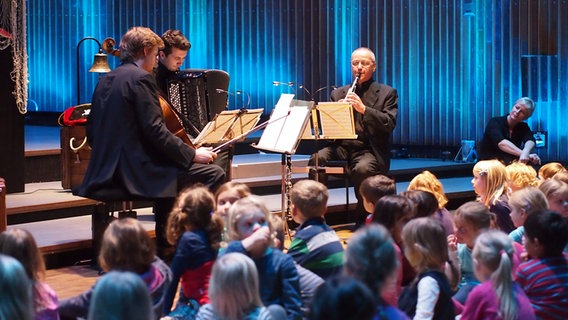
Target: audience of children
<point>544,278</point>
<point>562,176</point>
<point>491,186</point>
<point>371,258</point>
<point>470,220</point>
<point>121,296</point>
<point>427,181</point>
<point>125,246</point>
<point>556,193</point>
<point>497,297</point>
<point>196,234</point>
<point>315,245</point>
<point>252,272</point>
<point>250,231</point>
<point>234,292</point>
<point>426,247</point>
<point>21,245</point>
<point>343,298</point>
<point>522,203</point>
<point>16,297</point>
<point>372,189</point>
<point>521,175</point>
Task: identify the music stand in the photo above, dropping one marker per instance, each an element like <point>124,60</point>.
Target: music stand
<point>227,125</point>
<point>282,135</point>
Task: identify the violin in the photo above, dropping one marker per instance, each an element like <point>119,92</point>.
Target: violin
<point>173,122</point>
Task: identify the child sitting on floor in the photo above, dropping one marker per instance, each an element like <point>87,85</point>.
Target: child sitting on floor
<point>430,295</point>
<point>315,245</point>
<point>497,297</point>
<point>372,189</point>
<point>20,244</point>
<point>544,278</point>
<point>196,234</point>
<point>250,231</point>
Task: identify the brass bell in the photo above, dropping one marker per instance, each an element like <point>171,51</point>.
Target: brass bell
<point>100,64</point>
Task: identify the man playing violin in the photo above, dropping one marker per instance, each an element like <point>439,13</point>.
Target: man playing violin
<point>375,108</point>
<point>132,150</point>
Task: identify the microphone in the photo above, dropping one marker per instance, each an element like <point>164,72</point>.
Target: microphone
<point>241,92</point>
<point>289,84</point>
<point>233,94</point>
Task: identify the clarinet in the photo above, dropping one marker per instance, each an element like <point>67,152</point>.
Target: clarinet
<point>352,88</point>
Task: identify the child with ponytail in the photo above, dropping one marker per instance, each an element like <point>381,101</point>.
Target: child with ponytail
<point>497,297</point>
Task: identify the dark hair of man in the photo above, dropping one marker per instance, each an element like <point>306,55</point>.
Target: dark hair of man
<point>174,39</point>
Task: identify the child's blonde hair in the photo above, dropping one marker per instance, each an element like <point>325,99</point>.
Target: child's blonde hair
<point>242,206</point>
<point>521,175</point>
<point>548,170</point>
<point>495,176</point>
<point>234,287</point>
<point>553,187</point>
<point>427,181</point>
<point>528,199</point>
<point>310,197</point>
<point>426,247</point>
<point>192,211</point>
<point>494,250</point>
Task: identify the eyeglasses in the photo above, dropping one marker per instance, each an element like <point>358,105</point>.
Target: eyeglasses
<point>364,63</point>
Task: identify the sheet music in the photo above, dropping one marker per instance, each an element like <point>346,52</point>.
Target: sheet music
<point>285,126</point>
<point>215,130</point>
<point>336,120</point>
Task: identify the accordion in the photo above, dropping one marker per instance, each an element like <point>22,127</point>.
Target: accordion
<point>193,93</point>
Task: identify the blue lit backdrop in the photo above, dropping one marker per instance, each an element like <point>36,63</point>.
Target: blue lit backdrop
<point>455,63</point>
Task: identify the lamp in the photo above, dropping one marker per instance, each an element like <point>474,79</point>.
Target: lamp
<point>100,64</point>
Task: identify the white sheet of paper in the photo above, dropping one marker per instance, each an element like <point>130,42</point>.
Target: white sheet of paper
<point>285,126</point>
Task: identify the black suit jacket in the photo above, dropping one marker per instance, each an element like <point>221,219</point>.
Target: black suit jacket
<point>131,147</point>
<point>379,119</point>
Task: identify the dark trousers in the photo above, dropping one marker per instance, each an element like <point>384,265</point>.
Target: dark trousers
<point>361,162</point>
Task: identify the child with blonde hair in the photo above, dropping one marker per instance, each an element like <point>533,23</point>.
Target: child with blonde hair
<point>548,170</point>
<point>234,291</point>
<point>521,175</point>
<point>470,220</point>
<point>497,297</point>
<point>315,245</point>
<point>20,244</point>
<point>430,295</point>
<point>427,181</point>
<point>250,231</point>
<point>196,234</point>
<point>556,193</point>
<point>522,203</point>
<point>491,186</point>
